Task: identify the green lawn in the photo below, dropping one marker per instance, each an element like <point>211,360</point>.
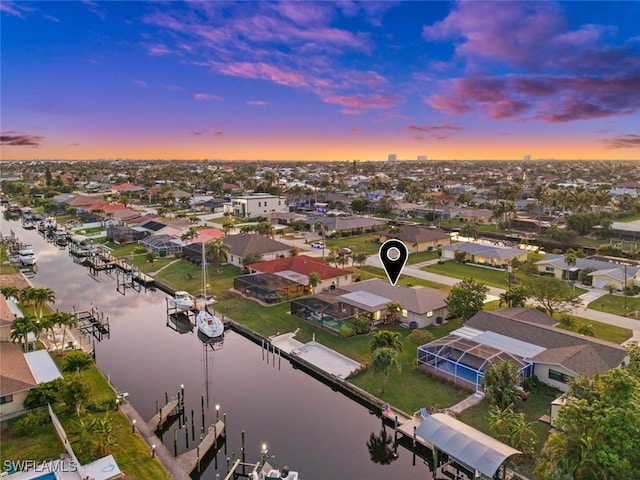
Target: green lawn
<point>367,272</point>
<point>615,304</point>
<point>418,257</point>
<point>131,453</point>
<point>358,244</point>
<point>493,278</point>
<point>604,331</point>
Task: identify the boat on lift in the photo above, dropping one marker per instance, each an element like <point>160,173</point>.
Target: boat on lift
<point>182,301</point>
<point>26,256</point>
<point>207,322</point>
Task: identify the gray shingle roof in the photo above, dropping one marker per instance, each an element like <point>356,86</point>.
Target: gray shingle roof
<point>252,244</point>
<point>577,352</point>
<point>413,234</point>
<point>419,299</point>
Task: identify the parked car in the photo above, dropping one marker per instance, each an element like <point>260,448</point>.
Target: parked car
<point>346,251</point>
<point>318,244</point>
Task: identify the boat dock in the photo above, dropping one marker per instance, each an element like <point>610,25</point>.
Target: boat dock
<point>164,412</point>
<point>190,460</point>
<point>93,323</point>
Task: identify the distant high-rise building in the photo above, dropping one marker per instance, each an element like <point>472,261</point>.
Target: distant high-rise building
<point>392,157</point>
<point>422,158</point>
<point>527,158</point>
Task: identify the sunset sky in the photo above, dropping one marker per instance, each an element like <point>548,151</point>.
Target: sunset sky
<point>320,81</point>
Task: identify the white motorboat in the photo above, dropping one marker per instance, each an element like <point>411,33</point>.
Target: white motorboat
<point>26,257</point>
<point>283,474</point>
<point>50,223</point>
<point>208,323</point>
<point>182,300</point>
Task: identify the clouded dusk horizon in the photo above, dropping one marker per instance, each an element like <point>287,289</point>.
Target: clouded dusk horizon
<point>320,80</point>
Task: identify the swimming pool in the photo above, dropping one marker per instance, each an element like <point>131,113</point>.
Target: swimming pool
<point>462,372</point>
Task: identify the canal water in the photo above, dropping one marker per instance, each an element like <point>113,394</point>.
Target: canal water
<point>314,430</point>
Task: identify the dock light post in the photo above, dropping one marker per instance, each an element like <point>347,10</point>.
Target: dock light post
<point>217,413</point>
<point>264,452</point>
<point>153,451</point>
<point>133,426</point>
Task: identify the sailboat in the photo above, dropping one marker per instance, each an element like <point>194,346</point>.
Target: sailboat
<point>208,323</point>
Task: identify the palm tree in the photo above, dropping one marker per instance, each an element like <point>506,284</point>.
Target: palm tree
<point>386,339</point>
<point>469,230</point>
<point>77,361</point>
<point>40,297</point>
<point>587,329</point>
<point>64,320</point>
<point>314,281</point>
<point>539,192</point>
<point>228,224</point>
<point>383,359</point>
<point>500,382</point>
<point>360,258</point>
<point>514,297</point>
<point>218,252</point>
<point>21,328</point>
<point>189,234</point>
<point>393,308</point>
<point>10,291</point>
<point>321,228</point>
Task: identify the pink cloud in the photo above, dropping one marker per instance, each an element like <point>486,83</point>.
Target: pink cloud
<point>206,96</point>
<point>158,50</point>
<point>140,83</point>
<point>361,102</point>
<point>264,71</point>
<point>258,103</point>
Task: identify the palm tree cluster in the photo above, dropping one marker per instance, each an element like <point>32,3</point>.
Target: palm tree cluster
<point>35,301</point>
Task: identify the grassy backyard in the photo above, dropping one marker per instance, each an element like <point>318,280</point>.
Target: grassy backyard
<point>367,272</point>
<point>604,331</point>
<point>358,244</point>
<point>131,453</point>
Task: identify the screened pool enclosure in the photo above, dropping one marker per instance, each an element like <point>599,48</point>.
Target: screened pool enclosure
<point>465,361</point>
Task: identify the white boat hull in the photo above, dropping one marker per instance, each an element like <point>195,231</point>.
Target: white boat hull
<point>209,324</point>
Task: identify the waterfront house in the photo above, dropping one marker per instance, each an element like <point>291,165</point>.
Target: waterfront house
<point>249,206</point>
<point>299,267</point>
<point>526,337</point>
<point>243,246</point>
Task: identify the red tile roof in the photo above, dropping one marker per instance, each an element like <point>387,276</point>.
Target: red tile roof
<point>302,264</point>
<point>126,186</point>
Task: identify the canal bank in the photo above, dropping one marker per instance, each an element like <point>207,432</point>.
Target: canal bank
<point>301,419</point>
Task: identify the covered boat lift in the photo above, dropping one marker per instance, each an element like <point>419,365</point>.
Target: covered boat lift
<point>476,451</point>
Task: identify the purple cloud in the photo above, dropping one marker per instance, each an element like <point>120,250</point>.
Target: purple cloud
<point>14,139</point>
<point>549,98</point>
<point>140,83</point>
<point>622,141</point>
<point>561,73</point>
<point>432,128</point>
<point>258,103</point>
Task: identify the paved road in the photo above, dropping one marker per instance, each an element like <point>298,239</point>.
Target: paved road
<point>494,293</point>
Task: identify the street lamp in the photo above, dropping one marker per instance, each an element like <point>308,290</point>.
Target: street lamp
<point>133,426</point>
<point>153,451</point>
<point>217,413</point>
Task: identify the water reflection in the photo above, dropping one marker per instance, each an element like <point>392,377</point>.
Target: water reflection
<point>318,431</point>
<point>381,448</point>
